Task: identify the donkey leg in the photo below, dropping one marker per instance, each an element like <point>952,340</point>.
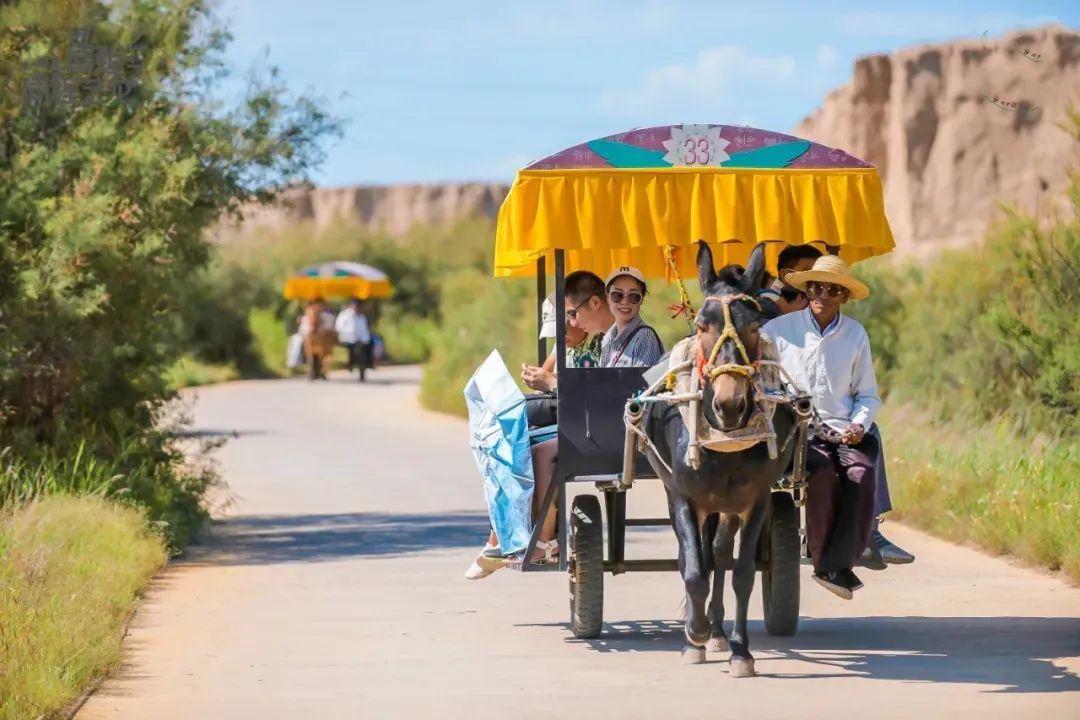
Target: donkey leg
<point>696,579</point>
<point>742,662</point>
<point>722,549</point>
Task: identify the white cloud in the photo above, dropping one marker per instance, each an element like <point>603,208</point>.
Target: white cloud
<point>716,77</point>
<point>827,56</point>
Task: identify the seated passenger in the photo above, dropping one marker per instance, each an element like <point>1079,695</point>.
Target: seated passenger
<point>582,350</point>
<point>627,342</point>
<point>828,355</point>
<point>630,342</point>
<point>793,258</point>
<point>880,551</point>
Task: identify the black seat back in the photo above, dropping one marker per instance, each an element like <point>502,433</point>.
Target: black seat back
<point>591,431</point>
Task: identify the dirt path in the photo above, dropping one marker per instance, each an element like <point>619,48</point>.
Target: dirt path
<point>334,590</point>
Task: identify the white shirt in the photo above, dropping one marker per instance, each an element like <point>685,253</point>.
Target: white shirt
<point>834,367</point>
<point>352,327</point>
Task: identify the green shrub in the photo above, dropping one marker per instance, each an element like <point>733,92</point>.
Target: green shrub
<point>480,313</point>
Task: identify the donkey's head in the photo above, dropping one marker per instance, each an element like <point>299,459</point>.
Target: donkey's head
<point>728,337</point>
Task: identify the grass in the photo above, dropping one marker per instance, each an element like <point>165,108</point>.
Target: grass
<point>991,484</point>
<point>71,569</point>
<point>189,371</point>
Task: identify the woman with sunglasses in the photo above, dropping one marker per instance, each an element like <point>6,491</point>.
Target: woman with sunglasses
<point>629,342</point>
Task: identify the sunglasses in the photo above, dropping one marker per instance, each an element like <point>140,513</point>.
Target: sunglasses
<point>571,314</point>
<point>633,297</point>
<point>820,288</point>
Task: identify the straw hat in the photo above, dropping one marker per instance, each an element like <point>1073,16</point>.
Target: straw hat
<point>830,269</point>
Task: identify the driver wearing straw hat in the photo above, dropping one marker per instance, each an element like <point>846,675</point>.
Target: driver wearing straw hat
<point>827,355</point>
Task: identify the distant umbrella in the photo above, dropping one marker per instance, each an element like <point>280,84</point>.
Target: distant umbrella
<point>338,279</point>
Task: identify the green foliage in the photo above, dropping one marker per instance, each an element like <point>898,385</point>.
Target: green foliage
<point>984,332</point>
<point>480,313</point>
<point>143,468</point>
<point>70,572</point>
<point>103,205</point>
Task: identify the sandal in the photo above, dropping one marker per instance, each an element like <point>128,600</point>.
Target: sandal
<point>483,565</point>
<point>551,551</point>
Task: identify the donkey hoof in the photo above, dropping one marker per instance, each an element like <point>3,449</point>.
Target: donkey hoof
<point>742,667</point>
<point>717,644</point>
<point>693,655</point>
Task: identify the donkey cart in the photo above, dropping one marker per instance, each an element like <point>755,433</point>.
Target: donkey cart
<point>647,198</point>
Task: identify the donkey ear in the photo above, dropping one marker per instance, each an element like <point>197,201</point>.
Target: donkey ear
<point>755,270</point>
<point>706,274</point>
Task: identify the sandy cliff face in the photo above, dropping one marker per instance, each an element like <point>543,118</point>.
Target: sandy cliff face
<point>958,127</point>
<point>390,208</point>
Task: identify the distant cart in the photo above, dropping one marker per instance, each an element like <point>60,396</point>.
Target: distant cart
<point>341,280</point>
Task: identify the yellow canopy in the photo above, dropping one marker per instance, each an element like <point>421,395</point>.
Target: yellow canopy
<point>338,278</point>
<point>604,218</point>
<point>309,288</point>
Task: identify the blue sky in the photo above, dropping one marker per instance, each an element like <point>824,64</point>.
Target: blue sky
<point>472,90</point>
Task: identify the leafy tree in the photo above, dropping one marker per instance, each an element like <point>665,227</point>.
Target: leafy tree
<point>115,158</point>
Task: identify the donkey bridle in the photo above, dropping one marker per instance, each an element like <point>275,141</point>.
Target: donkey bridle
<point>708,368</point>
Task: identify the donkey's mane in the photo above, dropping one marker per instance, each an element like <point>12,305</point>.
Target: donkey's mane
<point>731,275</point>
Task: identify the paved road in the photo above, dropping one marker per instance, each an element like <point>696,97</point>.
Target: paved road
<point>333,590</point>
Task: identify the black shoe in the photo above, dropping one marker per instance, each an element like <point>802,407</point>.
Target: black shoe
<point>850,579</point>
<point>890,552</point>
<point>871,559</point>
<point>834,583</point>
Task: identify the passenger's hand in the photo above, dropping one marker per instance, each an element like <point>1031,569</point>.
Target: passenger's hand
<point>854,434</point>
<point>537,378</point>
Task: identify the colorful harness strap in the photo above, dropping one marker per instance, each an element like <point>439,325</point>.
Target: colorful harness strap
<point>708,368</point>
<point>684,307</point>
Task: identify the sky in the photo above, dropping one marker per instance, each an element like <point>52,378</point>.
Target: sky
<point>464,90</point>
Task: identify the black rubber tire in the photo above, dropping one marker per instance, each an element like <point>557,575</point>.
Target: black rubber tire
<point>780,578</point>
<point>586,567</point>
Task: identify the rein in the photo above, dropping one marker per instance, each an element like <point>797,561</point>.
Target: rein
<point>707,367</point>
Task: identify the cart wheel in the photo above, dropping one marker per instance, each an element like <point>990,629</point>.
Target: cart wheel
<point>780,579</point>
<point>586,567</point>
<point>363,371</point>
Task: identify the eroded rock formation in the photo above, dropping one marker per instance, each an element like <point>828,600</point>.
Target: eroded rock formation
<point>957,128</point>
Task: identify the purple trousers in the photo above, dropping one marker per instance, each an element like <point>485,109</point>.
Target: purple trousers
<point>839,501</point>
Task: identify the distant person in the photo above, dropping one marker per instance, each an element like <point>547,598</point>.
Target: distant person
<point>354,334</point>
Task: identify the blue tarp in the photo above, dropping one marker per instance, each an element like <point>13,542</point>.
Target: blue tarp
<point>499,439</point>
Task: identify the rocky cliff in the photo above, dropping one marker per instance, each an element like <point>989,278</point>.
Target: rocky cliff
<point>388,208</point>
<point>956,128</point>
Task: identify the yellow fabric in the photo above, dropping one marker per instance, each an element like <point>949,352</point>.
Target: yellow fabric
<point>625,216</point>
<point>309,288</point>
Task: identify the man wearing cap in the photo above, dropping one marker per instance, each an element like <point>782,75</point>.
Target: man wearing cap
<point>828,355</point>
<point>629,342</point>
